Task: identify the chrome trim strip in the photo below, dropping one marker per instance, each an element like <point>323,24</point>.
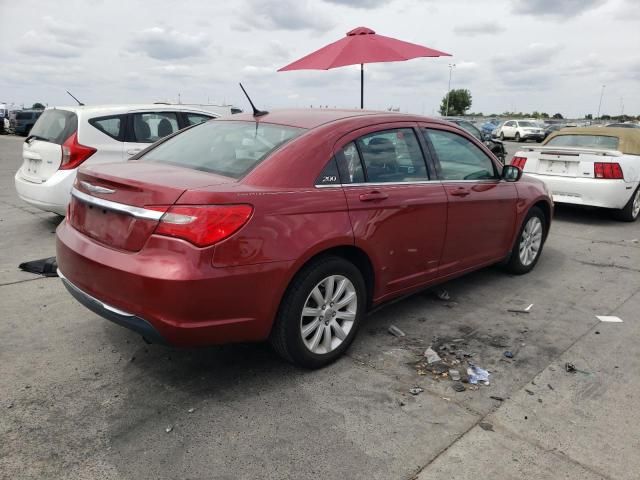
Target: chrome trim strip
<point>136,212</point>
<point>99,302</point>
<point>420,182</point>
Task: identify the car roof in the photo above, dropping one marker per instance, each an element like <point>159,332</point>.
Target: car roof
<point>128,107</point>
<point>628,138</point>
<point>309,118</point>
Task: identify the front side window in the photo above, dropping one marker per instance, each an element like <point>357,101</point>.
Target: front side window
<point>584,141</point>
<point>392,156</point>
<point>151,126</point>
<point>459,158</point>
<point>227,148</point>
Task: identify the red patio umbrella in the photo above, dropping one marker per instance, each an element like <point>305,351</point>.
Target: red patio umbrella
<point>362,45</point>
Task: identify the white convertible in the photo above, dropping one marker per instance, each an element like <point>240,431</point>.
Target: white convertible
<point>589,166</point>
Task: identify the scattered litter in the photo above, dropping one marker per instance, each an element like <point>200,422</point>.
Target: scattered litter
<point>133,358</point>
<point>416,390</point>
<point>605,318</point>
<point>191,410</point>
<point>477,374</point>
<point>454,375</point>
<point>521,310</point>
<point>495,397</point>
<point>47,267</point>
<point>597,332</point>
<point>570,367</point>
<point>395,331</point>
<point>431,356</point>
<point>550,387</point>
<point>401,403</point>
<point>486,426</point>
<point>169,429</point>
<point>529,391</point>
<point>458,387</point>
<point>508,354</point>
<point>10,405</point>
<point>442,294</point>
<point>539,400</point>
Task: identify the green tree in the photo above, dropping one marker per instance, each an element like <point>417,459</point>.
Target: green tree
<point>557,115</point>
<point>459,102</point>
<point>544,115</point>
<point>38,106</point>
<point>588,116</point>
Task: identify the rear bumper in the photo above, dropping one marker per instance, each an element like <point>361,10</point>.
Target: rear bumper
<point>588,191</point>
<point>120,317</point>
<point>170,291</point>
<point>52,195</point>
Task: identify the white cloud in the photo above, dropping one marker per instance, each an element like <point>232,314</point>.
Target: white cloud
<point>283,15</point>
<point>168,44</point>
<point>490,27</point>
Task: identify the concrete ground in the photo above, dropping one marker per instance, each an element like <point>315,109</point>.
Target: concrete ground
<point>81,398</point>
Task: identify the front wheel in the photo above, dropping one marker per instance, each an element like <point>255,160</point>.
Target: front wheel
<point>528,246</point>
<point>517,136</point>
<point>631,210</point>
<point>502,136</point>
<point>320,313</point>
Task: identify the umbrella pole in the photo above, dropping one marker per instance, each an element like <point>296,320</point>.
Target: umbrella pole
<point>361,86</point>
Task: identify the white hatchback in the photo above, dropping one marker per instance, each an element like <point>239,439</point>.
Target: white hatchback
<point>64,138</point>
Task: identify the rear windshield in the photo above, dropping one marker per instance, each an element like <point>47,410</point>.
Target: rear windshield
<point>55,126</point>
<point>585,141</point>
<point>24,116</point>
<point>226,148</point>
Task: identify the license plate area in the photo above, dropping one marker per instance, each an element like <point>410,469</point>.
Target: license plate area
<point>558,167</point>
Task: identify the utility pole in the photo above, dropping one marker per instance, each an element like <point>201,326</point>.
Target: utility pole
<point>600,103</point>
<point>451,67</point>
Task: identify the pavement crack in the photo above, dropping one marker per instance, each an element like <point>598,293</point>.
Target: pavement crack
<point>606,265</point>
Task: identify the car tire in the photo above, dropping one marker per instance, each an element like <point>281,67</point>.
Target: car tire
<point>530,239</point>
<point>517,136</point>
<point>501,136</point>
<point>631,210</point>
<point>288,334</point>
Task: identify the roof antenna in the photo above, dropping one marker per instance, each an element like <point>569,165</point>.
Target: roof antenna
<point>256,112</point>
<point>79,102</point>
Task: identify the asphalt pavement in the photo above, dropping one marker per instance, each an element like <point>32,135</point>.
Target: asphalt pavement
<point>81,398</point>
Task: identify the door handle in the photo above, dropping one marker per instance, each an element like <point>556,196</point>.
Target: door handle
<point>372,196</point>
<point>133,151</point>
<point>460,192</point>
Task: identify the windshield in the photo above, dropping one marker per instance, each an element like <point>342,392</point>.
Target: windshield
<point>585,141</point>
<point>226,148</point>
<point>55,126</point>
<point>528,124</point>
<point>469,127</point>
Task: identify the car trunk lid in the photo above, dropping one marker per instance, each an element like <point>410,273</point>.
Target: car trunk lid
<point>565,161</point>
<point>117,205</point>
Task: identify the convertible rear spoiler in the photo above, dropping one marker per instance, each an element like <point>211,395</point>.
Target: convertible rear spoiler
<point>572,151</point>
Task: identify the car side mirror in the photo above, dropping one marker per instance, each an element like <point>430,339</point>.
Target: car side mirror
<point>511,173</point>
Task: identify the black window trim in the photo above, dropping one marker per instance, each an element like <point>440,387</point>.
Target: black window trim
<point>473,140</point>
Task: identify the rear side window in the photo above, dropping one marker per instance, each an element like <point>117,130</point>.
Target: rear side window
<point>112,126</point>
<point>459,158</point>
<point>152,126</point>
<point>349,161</point>
<point>55,126</point>
<point>227,148</point>
<point>196,118</point>
<point>584,141</point>
<point>392,156</point>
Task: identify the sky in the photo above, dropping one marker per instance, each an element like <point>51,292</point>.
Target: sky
<point>513,55</point>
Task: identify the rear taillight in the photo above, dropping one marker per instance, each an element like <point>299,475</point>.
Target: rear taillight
<point>519,162</point>
<point>202,225</point>
<point>74,153</point>
<point>608,170</point>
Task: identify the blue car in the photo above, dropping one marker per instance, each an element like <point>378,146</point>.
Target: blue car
<point>490,126</point>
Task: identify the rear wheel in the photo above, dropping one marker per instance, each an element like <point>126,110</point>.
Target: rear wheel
<point>320,313</point>
<point>517,136</point>
<point>631,210</point>
<point>528,247</point>
<point>502,136</point>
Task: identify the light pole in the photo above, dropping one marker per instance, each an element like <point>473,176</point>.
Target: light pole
<point>600,103</point>
<point>451,67</point>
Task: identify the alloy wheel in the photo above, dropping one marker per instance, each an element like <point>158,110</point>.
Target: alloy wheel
<point>329,314</point>
<point>530,241</point>
<point>635,210</point>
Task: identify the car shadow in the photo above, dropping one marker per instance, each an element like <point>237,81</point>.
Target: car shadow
<point>583,215</point>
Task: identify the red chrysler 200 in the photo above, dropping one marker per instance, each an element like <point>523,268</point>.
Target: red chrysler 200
<point>290,226</point>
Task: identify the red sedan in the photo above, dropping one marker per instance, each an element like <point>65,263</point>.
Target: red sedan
<point>290,226</point>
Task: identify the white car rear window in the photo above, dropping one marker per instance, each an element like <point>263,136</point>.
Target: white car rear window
<point>585,141</point>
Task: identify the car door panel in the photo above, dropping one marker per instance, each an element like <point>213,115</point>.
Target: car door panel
<point>401,225</point>
<point>481,213</point>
